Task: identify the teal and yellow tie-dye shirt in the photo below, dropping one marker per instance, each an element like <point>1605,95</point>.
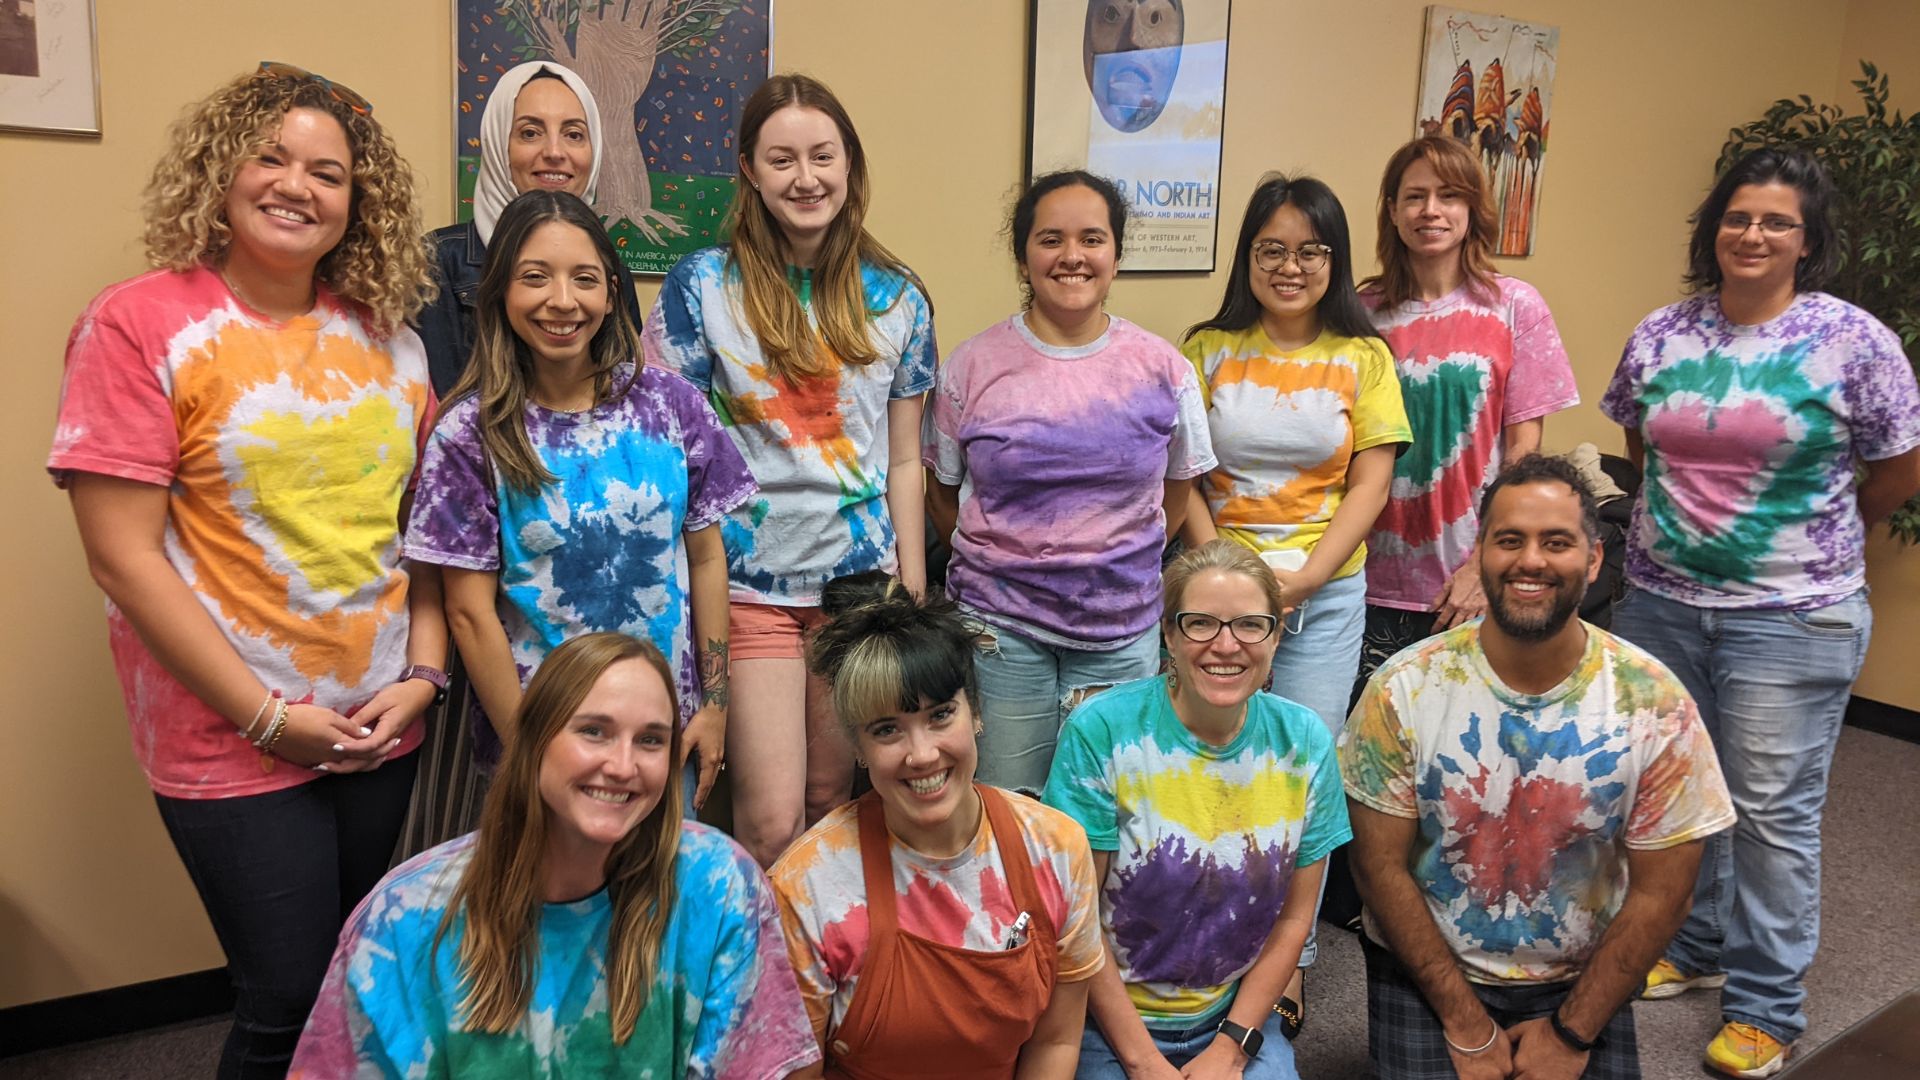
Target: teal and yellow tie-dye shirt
<point>1204,838</point>
<point>1528,803</point>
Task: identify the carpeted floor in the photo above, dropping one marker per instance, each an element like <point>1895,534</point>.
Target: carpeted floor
<point>1869,953</point>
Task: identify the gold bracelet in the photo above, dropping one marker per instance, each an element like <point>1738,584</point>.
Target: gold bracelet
<point>272,696</point>
<point>274,729</point>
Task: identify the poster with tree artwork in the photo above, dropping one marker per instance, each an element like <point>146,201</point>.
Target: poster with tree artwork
<point>1487,80</point>
<point>669,77</point>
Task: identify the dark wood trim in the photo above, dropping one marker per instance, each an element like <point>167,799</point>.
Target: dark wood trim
<point>119,1011</point>
<point>1885,719</point>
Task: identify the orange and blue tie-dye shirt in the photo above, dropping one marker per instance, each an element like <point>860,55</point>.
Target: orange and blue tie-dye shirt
<point>963,901</point>
<point>1286,423</point>
<point>819,447</point>
<point>285,449</point>
<point>1528,803</point>
<point>1205,838</point>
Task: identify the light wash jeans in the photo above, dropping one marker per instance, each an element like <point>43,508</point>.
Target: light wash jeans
<point>1097,1061</point>
<point>1772,687</point>
<point>1316,667</point>
<point>1028,687</point>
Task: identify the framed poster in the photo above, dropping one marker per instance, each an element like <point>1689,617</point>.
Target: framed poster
<point>1135,90</point>
<point>669,77</point>
<point>1487,80</point>
<point>49,67</point>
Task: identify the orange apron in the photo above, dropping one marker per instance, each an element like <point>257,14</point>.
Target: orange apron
<point>933,1011</point>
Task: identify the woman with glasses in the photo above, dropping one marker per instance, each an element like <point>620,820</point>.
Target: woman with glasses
<point>1210,805</point>
<point>237,432</point>
<point>1481,367</point>
<point>1752,405</point>
<point>1304,408</point>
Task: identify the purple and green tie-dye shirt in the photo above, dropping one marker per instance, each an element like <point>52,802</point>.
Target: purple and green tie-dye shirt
<point>1061,456</point>
<point>1204,838</point>
<point>1751,434</point>
<point>723,1004</point>
<point>1528,803</point>
<point>599,548</point>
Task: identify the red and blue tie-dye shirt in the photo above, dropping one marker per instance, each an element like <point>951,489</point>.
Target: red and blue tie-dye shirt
<point>1751,435</point>
<point>1528,803</point>
<point>1204,838</point>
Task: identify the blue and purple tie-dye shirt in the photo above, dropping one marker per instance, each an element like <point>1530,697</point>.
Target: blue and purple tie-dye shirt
<point>820,447</point>
<point>1752,433</point>
<point>1061,456</point>
<point>1528,803</point>
<point>1205,838</point>
<point>723,1004</point>
<point>601,547</point>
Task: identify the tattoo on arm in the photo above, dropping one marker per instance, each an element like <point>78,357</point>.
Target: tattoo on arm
<point>713,673</point>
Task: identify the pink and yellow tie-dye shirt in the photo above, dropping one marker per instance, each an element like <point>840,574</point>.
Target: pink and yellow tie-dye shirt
<point>1528,803</point>
<point>285,449</point>
<point>1751,435</point>
<point>963,901</point>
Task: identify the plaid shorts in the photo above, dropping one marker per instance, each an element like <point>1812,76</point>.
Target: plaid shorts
<point>1405,1041</point>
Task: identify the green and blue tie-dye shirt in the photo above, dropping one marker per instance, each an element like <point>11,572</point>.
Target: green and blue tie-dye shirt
<point>1204,838</point>
<point>1751,434</point>
<point>723,1005</point>
<point>1528,803</point>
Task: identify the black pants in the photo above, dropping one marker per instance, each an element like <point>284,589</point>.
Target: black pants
<point>279,874</point>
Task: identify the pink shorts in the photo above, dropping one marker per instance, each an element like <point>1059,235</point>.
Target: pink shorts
<point>768,631</point>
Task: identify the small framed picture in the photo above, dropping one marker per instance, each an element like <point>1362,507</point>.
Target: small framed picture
<point>49,67</point>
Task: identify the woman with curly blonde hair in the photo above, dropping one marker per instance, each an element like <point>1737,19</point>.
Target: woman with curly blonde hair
<point>237,431</point>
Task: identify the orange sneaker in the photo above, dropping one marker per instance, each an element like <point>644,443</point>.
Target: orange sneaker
<point>1746,1051</point>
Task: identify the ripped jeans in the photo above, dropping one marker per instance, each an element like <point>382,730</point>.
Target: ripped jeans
<point>1028,687</point>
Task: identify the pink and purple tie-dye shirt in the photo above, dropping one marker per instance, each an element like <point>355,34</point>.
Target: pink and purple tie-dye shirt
<point>1061,457</point>
<point>1528,803</point>
<point>1751,437</point>
<point>1469,369</point>
<point>723,1003</point>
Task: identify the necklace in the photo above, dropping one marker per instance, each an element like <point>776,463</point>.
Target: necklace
<point>240,294</point>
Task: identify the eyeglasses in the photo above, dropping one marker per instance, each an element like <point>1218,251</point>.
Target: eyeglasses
<point>1772,225</point>
<point>1198,626</point>
<point>345,95</point>
<point>1270,257</point>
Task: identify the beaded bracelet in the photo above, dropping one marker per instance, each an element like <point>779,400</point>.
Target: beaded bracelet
<point>279,729</point>
<point>272,696</point>
<point>1483,1048</point>
<point>274,727</point>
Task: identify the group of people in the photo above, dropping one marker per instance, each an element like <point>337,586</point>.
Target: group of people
<point>1210,611</point>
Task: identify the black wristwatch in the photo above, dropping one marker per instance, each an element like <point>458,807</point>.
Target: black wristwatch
<point>1584,1046</point>
<point>1248,1039</point>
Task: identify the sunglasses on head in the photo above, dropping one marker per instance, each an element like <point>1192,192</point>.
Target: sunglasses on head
<point>345,95</point>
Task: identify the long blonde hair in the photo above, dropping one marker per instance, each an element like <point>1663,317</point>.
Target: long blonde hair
<point>382,261</point>
<point>758,250</point>
<point>1454,162</point>
<point>500,891</point>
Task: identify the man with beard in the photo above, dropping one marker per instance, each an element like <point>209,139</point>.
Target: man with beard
<point>1529,795</point>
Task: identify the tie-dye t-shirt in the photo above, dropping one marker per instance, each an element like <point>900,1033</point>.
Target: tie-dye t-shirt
<point>723,1003</point>
<point>1061,456</point>
<point>1286,424</point>
<point>1205,839</point>
<point>1751,436</point>
<point>601,547</point>
<point>819,448</point>
<point>1468,370</point>
<point>1527,803</point>
<point>285,449</point>
<point>961,901</point>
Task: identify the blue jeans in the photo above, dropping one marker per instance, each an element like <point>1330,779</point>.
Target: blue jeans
<point>1097,1061</point>
<point>1772,687</point>
<point>279,873</point>
<point>1316,666</point>
<point>1028,687</point>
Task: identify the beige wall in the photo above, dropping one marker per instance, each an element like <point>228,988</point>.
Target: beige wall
<point>90,893</point>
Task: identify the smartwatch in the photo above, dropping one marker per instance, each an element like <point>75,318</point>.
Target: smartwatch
<point>433,675</point>
<point>1248,1039</point>
<point>1584,1046</point>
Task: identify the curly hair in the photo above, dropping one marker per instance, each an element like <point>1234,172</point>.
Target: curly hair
<point>381,263</point>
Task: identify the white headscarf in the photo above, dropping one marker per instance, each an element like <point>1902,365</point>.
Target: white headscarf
<point>494,189</point>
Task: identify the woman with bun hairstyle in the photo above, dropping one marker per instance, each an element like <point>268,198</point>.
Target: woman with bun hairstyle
<point>938,927</point>
<point>815,345</point>
<point>1064,443</point>
<point>237,430</point>
<point>585,930</point>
